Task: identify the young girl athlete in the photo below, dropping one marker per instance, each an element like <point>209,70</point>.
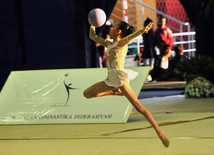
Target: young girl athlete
<point>117,82</point>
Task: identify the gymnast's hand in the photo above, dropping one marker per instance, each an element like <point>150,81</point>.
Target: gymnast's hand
<point>148,27</point>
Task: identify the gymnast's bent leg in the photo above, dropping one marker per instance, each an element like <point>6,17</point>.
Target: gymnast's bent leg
<point>101,89</point>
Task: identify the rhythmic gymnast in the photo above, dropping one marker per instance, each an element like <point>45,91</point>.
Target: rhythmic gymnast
<point>117,82</point>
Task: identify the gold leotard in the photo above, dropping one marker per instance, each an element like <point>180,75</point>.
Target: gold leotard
<point>116,54</point>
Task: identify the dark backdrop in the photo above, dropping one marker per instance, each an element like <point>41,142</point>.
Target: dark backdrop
<point>47,34</point>
<point>201,14</point>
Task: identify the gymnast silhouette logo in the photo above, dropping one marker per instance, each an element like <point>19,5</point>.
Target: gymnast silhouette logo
<point>68,88</point>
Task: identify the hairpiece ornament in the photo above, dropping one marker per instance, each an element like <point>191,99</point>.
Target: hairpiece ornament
<point>128,27</point>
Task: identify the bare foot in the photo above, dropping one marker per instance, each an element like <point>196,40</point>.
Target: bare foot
<point>163,138</point>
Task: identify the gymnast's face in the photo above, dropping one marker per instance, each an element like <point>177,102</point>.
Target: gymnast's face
<point>114,31</point>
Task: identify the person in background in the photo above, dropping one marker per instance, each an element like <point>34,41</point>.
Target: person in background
<point>172,75</point>
<point>101,49</point>
<point>161,64</point>
<point>163,34</point>
<point>178,56</point>
<point>149,52</point>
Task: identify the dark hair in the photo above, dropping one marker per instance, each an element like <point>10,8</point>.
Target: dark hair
<point>160,20</point>
<point>125,28</point>
<point>164,51</point>
<point>161,17</point>
<point>147,21</point>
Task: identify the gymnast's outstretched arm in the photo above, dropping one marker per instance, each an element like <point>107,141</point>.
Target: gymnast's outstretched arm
<point>98,39</point>
<point>130,37</point>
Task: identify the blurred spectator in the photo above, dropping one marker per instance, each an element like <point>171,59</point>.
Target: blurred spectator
<point>163,34</point>
<point>161,64</point>
<point>172,75</point>
<point>149,52</point>
<point>178,56</point>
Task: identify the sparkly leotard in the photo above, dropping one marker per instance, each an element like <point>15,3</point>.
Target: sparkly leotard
<point>116,54</point>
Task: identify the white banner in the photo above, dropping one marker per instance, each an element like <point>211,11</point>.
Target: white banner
<point>56,96</point>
